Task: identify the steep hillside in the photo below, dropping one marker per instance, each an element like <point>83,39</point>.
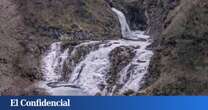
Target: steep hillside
<point>180,64</point>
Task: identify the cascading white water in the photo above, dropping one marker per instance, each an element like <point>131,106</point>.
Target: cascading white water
<point>52,63</point>
<point>125,30</point>
<point>127,33</point>
<point>93,70</point>
<point>52,67</point>
<point>136,70</point>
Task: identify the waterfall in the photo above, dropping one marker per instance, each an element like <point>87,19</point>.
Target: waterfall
<point>127,33</point>
<point>89,75</point>
<point>52,63</point>
<point>52,68</point>
<point>125,30</point>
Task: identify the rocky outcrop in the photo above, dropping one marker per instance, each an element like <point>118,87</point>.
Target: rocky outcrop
<point>29,26</point>
<point>120,57</point>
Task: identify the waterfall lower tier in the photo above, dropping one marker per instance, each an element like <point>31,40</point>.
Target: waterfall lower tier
<point>111,67</point>
<point>91,76</point>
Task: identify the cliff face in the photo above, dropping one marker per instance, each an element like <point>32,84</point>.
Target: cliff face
<point>180,64</point>
<point>156,12</point>
<point>29,26</point>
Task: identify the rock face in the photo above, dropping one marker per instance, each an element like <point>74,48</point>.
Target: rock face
<point>29,26</point>
<point>18,53</point>
<point>180,64</point>
<point>156,12</point>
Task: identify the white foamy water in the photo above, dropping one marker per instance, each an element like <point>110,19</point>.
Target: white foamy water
<point>61,89</point>
<point>126,31</point>
<point>132,74</point>
<point>91,73</point>
<point>52,62</point>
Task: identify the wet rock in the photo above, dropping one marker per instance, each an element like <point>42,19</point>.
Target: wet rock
<point>119,58</point>
<point>129,93</point>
